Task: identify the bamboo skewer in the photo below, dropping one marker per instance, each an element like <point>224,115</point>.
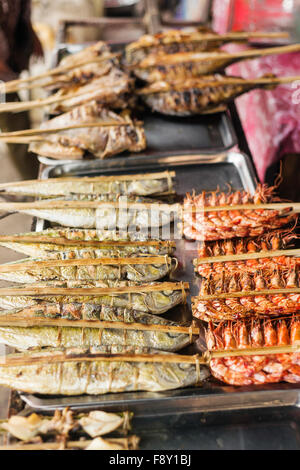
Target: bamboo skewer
<point>246,256</point>
<point>94,179</point>
<point>93,243</point>
<point>64,204</point>
<point>11,267</point>
<point>179,58</point>
<point>41,131</point>
<point>63,357</point>
<point>25,322</point>
<point>228,295</point>
<point>41,291</point>
<point>295,206</point>
<point>130,442</point>
<point>200,83</point>
<point>13,85</point>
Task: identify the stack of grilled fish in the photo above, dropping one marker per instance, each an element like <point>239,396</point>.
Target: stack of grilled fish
<point>95,289</point>
<point>182,68</point>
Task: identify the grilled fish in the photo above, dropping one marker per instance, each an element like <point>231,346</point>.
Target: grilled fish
<point>118,214</point>
<point>23,338</point>
<point>89,53</point>
<point>59,243</point>
<point>101,142</point>
<point>135,185</point>
<point>138,297</point>
<point>113,90</point>
<point>141,269</point>
<point>209,94</point>
<point>96,377</point>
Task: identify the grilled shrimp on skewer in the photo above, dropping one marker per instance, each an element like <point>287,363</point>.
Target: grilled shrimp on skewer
<point>220,225</point>
<point>255,369</point>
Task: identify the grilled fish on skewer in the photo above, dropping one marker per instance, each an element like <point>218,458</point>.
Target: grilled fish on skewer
<point>174,41</point>
<point>188,65</point>
<point>96,376</point>
<point>139,185</point>
<point>139,269</point>
<point>154,298</point>
<point>257,369</point>
<point>99,141</point>
<point>219,225</point>
<point>64,336</point>
<point>71,243</point>
<point>101,212</point>
<point>204,95</point>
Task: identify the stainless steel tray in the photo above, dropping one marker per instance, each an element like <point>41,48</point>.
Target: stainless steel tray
<point>192,172</point>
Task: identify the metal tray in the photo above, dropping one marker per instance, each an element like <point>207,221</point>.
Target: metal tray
<point>192,172</point>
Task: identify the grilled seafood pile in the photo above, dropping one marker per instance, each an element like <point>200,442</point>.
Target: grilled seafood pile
<point>68,430</point>
<point>249,294</point>
<point>226,224</point>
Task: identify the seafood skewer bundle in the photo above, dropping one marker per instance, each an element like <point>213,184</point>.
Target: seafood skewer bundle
<point>60,243</point>
<point>188,65</point>
<point>204,95</point>
<point>204,221</point>
<point>102,371</point>
<point>58,432</point>
<point>246,369</point>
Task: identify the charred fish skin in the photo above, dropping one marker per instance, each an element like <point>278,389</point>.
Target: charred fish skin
<point>98,377</point>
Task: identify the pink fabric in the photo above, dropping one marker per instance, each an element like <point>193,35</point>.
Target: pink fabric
<point>271,119</point>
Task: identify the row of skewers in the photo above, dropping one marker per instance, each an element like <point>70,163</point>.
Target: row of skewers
<point>174,73</point>
<point>101,290</point>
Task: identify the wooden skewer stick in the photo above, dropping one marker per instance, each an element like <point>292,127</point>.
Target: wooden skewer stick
<point>92,179</point>
<point>290,348</point>
<point>245,256</point>
<point>93,243</point>
<point>130,442</point>
<point>166,59</point>
<point>63,204</point>
<point>295,206</point>
<point>14,84</point>
<point>58,357</point>
<point>45,290</point>
<point>53,130</point>
<point>25,322</point>
<point>229,295</point>
<point>201,83</point>
<point>12,267</point>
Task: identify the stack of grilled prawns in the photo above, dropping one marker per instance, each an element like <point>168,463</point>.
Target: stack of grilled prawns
<point>249,298</point>
<point>96,92</point>
<point>88,301</point>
